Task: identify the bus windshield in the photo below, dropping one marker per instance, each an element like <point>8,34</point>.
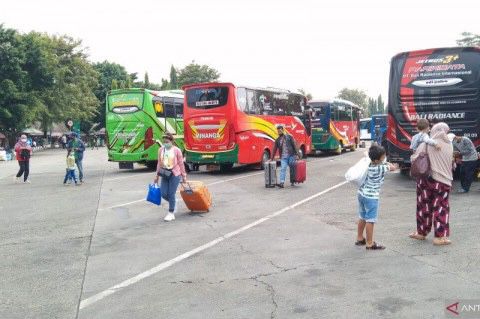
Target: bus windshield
<point>207,98</point>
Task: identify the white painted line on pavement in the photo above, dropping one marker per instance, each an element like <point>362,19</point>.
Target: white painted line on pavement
<point>124,177</point>
<point>210,184</point>
<point>152,271</point>
<point>219,182</point>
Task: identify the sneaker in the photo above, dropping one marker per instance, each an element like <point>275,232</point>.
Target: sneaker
<point>462,191</point>
<point>280,185</point>
<point>27,181</point>
<point>16,179</point>
<point>169,217</point>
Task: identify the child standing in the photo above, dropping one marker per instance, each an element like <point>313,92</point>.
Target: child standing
<point>70,174</point>
<point>423,127</point>
<point>368,196</point>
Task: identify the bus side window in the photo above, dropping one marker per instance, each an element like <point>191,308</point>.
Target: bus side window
<point>334,112</point>
<point>296,105</point>
<point>169,108</point>
<point>242,99</point>
<point>253,106</point>
<point>178,108</point>
<point>158,106</point>
<point>344,113</point>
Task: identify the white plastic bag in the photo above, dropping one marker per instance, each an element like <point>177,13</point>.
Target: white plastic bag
<point>358,172</point>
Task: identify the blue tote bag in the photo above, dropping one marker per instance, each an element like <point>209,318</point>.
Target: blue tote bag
<point>154,194</point>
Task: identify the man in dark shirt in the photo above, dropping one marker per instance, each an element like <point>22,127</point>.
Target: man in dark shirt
<point>288,150</point>
<point>463,146</point>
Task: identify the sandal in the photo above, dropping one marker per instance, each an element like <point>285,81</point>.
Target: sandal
<point>417,236</point>
<point>375,246</point>
<point>361,242</point>
<point>441,241</point>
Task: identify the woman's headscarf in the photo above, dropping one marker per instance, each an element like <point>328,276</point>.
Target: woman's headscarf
<point>441,160</point>
<point>439,132</point>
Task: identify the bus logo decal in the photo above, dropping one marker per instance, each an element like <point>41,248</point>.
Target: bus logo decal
<point>437,82</point>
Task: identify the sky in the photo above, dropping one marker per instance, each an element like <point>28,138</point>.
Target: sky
<point>319,46</point>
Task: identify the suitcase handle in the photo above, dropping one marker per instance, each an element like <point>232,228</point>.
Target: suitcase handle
<point>189,189</point>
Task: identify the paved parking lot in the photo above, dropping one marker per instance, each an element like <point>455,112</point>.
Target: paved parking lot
<point>100,251</point>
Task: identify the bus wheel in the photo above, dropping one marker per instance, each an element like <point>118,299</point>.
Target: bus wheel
<point>265,159</point>
<point>338,150</point>
<point>353,148</point>
<point>226,167</point>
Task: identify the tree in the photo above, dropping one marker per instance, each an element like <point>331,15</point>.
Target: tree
<point>196,73</point>
<point>146,81</point>
<point>356,96</point>
<point>25,71</point>
<point>70,93</point>
<point>469,40</point>
<point>109,73</point>
<point>173,78</point>
<point>165,85</point>
<point>304,93</point>
<point>380,105</point>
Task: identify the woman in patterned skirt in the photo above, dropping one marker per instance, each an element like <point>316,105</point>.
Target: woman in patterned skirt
<point>433,208</point>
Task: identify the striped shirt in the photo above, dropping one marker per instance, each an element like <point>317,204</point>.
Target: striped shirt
<point>374,180</point>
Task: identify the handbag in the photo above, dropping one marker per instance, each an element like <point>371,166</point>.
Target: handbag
<point>420,167</point>
<point>154,194</point>
<point>166,173</point>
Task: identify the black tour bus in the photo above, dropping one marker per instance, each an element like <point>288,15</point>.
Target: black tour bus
<point>441,85</point>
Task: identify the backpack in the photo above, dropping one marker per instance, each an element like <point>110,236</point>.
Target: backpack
<point>25,154</point>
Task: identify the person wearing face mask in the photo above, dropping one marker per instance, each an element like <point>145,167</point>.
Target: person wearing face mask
<point>171,168</point>
<point>23,151</point>
<point>288,150</point>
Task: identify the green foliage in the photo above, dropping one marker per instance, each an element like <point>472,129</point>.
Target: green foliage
<point>469,40</point>
<point>375,106</point>
<point>356,96</point>
<point>173,78</point>
<point>69,80</point>
<point>146,81</point>
<point>111,76</point>
<point>47,79</point>
<point>196,73</point>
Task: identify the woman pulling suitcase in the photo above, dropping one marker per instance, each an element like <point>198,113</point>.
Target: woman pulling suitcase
<point>171,169</point>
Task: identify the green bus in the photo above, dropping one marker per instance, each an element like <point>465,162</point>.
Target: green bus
<point>335,125</point>
<point>136,120</point>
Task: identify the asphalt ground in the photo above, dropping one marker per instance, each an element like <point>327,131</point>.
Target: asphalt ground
<point>100,251</point>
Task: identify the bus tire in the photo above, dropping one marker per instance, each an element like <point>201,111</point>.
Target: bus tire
<point>338,150</point>
<point>265,159</point>
<point>226,167</point>
<point>353,148</point>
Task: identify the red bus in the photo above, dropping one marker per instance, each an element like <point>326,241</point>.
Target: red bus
<point>227,125</point>
<point>440,85</point>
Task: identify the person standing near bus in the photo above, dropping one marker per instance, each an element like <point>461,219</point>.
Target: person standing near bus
<point>288,150</point>
<point>23,151</point>
<point>433,205</point>
<point>463,146</point>
<point>76,145</point>
<point>171,168</point>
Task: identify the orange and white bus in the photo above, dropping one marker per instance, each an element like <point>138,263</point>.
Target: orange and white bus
<point>227,125</point>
